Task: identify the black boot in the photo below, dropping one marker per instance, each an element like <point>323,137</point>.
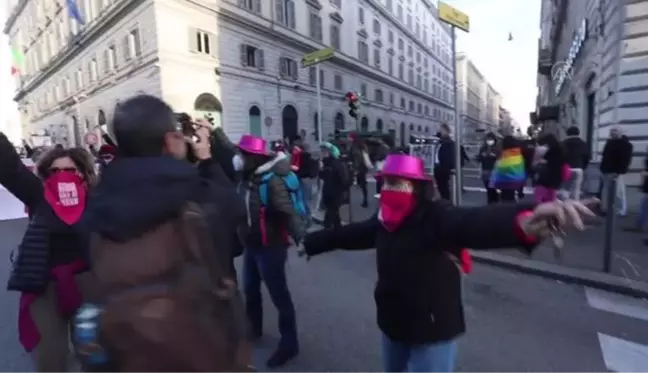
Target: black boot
<point>281,356</point>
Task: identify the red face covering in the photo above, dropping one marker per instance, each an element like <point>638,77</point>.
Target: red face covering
<point>66,192</point>
<point>396,203</point>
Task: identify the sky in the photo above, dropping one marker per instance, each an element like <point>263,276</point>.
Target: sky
<point>510,66</point>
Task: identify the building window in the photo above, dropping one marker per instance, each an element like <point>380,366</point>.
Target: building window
<point>391,99</point>
<point>66,86</point>
<point>390,36</point>
<point>363,52</point>
<point>403,103</point>
<point>419,81</point>
<point>390,66</point>
<point>78,80</point>
<point>401,71</point>
<point>377,58</point>
<point>410,76</point>
<point>376,27</point>
<point>252,5</point>
<point>410,51</point>
<point>418,57</point>
<point>252,56</point>
<point>426,85</point>
<point>411,106</point>
<point>363,90</point>
<point>315,26</point>
<point>426,111</point>
<point>110,59</point>
<point>285,13</point>
<point>409,21</point>
<point>399,13</point>
<point>92,70</point>
<point>337,3</point>
<point>390,5</point>
<point>419,108</point>
<point>335,36</point>
<point>401,45</point>
<point>288,68</point>
<point>338,83</point>
<point>378,96</point>
<point>312,77</point>
<point>132,45</point>
<point>203,43</point>
<point>361,18</point>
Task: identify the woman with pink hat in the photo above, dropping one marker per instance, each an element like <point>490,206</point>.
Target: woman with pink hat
<point>418,292</point>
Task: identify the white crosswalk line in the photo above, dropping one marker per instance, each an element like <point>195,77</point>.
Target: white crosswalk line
<point>623,356</point>
<point>617,303</point>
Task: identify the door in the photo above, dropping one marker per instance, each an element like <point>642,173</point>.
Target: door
<point>254,118</point>
<point>289,120</point>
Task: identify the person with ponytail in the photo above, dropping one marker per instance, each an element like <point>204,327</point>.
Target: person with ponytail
<point>50,269</point>
<point>418,237</point>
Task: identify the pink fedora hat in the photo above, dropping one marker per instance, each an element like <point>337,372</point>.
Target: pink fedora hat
<point>254,145</point>
<point>405,166</point>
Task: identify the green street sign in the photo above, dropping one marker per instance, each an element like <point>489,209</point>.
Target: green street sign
<point>316,57</point>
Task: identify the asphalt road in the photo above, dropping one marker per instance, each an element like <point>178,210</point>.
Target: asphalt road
<point>515,322</point>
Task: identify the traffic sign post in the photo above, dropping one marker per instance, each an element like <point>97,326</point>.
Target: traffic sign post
<point>457,20</point>
<point>315,58</point>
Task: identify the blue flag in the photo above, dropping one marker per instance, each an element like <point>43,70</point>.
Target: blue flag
<point>74,11</point>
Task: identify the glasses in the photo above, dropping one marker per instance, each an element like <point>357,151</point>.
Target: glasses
<point>54,170</point>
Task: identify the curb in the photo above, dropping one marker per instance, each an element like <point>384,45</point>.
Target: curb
<point>577,276</point>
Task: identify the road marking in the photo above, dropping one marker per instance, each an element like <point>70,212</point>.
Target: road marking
<point>623,356</point>
<point>10,207</point>
<point>617,303</point>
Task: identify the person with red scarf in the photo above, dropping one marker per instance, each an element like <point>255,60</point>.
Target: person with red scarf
<point>49,269</point>
<point>416,235</point>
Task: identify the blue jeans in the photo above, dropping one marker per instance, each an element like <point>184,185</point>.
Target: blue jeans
<point>643,212</point>
<point>433,357</point>
<point>268,264</point>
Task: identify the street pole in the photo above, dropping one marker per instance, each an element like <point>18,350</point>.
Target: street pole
<point>611,182</point>
<point>320,137</point>
<point>458,174</point>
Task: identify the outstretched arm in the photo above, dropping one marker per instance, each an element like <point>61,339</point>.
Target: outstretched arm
<point>480,228</point>
<point>16,177</point>
<point>355,236</point>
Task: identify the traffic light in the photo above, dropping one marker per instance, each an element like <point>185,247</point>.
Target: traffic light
<point>354,104</point>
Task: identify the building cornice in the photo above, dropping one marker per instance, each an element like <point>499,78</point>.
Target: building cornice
<point>13,16</point>
<point>270,29</point>
<point>80,42</point>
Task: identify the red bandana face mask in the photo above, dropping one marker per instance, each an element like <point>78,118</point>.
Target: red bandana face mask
<point>66,192</point>
<point>396,203</point>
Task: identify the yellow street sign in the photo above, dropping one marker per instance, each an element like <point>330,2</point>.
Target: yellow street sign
<point>316,57</point>
<point>454,17</point>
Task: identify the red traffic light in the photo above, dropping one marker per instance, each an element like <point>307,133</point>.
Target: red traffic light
<point>351,97</point>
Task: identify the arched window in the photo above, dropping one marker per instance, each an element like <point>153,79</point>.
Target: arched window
<point>289,120</point>
<point>411,127</point>
<point>208,106</point>
<point>379,125</point>
<point>254,120</point>
<point>419,128</point>
<point>364,124</point>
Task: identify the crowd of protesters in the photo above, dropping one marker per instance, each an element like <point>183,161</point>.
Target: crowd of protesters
<point>133,260</point>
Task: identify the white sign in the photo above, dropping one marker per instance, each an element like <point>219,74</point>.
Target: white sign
<point>575,48</point>
<point>91,139</point>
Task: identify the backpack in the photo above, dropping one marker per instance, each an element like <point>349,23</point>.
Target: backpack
<point>291,181</point>
<point>166,302</point>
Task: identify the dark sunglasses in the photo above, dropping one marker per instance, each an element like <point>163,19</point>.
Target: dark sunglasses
<point>54,170</point>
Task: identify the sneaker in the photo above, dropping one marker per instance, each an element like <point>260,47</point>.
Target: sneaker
<point>281,356</point>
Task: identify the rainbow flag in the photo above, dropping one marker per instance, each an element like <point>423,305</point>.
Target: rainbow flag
<point>508,172</point>
<point>17,60</point>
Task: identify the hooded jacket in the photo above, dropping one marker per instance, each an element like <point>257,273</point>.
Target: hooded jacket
<point>280,219</point>
<point>617,155</point>
<point>136,195</point>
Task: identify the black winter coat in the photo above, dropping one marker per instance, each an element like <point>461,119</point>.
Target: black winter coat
<point>576,152</point>
<point>617,155</point>
<point>445,155</point>
<point>136,195</point>
<point>550,173</point>
<point>48,241</point>
<point>333,186</point>
<point>418,293</point>
<point>281,218</point>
